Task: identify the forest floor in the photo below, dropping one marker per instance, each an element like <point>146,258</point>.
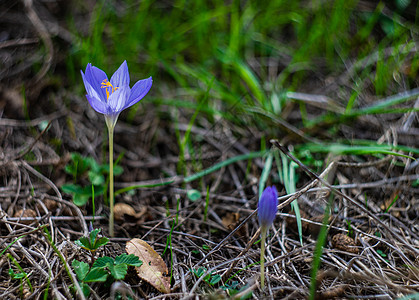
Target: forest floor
<point>194,155</point>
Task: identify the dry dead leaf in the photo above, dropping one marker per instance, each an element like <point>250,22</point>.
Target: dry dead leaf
<point>51,205</point>
<point>153,270</point>
<point>345,243</point>
<point>230,220</point>
<point>27,213</point>
<point>122,209</point>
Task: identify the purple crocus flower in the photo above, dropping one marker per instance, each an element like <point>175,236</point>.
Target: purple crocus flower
<point>268,203</point>
<point>111,97</point>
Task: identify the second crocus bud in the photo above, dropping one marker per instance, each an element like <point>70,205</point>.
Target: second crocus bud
<point>268,203</point>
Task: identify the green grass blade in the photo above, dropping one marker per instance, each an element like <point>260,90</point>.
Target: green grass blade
<point>371,149</point>
<point>318,251</point>
<point>222,164</point>
<point>265,173</point>
<point>151,185</point>
<point>384,105</point>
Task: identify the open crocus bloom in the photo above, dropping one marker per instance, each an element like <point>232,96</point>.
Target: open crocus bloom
<point>268,203</point>
<point>111,97</point>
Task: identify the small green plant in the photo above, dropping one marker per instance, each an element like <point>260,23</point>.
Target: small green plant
<point>79,167</point>
<point>380,252</point>
<point>233,289</point>
<point>18,276</point>
<point>206,248</point>
<point>209,278</point>
<point>350,230</point>
<point>103,269</point>
<point>21,275</point>
<point>193,195</point>
<point>92,242</point>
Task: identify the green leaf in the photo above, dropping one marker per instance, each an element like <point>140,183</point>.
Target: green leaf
<point>85,289</point>
<point>92,242</point>
<point>381,253</point>
<point>72,189</point>
<point>118,271</point>
<point>402,4</point>
<point>117,170</point>
<point>93,236</point>
<point>103,262</point>
<point>101,242</point>
<point>80,200</point>
<point>78,164</point>
<point>81,194</point>
<point>199,272</point>
<point>92,163</point>
<point>193,195</point>
<point>96,178</point>
<point>11,273</point>
<point>80,268</point>
<point>14,275</point>
<point>246,296</point>
<point>69,169</point>
<point>84,242</point>
<point>130,260</point>
<point>96,275</point>
<point>215,279</point>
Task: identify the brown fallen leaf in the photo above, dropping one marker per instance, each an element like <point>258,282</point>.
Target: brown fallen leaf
<point>153,270</point>
<point>345,243</point>
<point>27,213</point>
<point>122,209</point>
<point>231,221</point>
<point>51,205</point>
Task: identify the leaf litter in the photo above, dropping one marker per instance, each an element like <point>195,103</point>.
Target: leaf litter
<point>154,269</point>
<point>361,257</point>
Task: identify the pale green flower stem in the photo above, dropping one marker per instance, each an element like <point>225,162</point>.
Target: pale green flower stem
<point>263,231</point>
<point>111,195</point>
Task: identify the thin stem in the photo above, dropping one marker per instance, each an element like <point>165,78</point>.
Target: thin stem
<point>111,195</point>
<point>262,256</point>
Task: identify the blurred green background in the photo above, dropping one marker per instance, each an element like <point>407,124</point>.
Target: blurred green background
<point>239,58</point>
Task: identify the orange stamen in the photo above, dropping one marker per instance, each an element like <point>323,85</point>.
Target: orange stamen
<point>105,84</point>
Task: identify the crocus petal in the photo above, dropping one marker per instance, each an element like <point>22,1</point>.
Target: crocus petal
<point>118,98</point>
<point>110,98</point>
<point>268,203</point>
<point>89,88</point>
<point>139,90</point>
<point>95,77</point>
<point>121,76</point>
<point>98,105</point>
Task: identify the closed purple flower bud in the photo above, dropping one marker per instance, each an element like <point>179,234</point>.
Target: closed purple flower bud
<point>90,227</point>
<point>110,97</point>
<point>268,203</point>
